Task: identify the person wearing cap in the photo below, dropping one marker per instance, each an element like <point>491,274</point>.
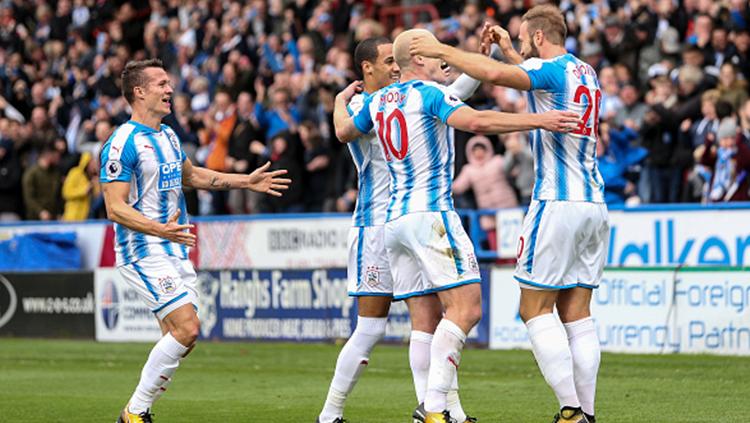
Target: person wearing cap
<point>727,163</point>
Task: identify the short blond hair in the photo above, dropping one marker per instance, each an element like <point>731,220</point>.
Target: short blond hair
<point>549,20</point>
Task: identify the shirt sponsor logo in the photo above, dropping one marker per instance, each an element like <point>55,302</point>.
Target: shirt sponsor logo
<point>170,176</point>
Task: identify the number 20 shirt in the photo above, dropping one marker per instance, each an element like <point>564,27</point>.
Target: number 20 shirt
<point>409,120</point>
<point>565,163</point>
<point>151,161</point>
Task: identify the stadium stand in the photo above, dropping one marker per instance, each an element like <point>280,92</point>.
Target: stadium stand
<point>256,81</point>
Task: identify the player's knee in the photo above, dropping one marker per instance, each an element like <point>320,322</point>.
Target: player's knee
<point>474,315</point>
<point>470,316</point>
<point>187,332</point>
<point>528,311</point>
<point>570,314</point>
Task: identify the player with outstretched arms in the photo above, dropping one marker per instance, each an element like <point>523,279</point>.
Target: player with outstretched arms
<point>427,247</point>
<point>143,171</point>
<point>562,249</point>
<point>368,270</point>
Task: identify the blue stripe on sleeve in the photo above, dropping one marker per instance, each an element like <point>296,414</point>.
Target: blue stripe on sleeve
<point>363,119</point>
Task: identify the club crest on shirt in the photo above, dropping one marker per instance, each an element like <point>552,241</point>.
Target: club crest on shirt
<point>167,284</point>
<point>113,169</point>
<point>372,276</point>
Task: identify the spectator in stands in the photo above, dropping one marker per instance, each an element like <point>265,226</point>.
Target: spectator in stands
<point>696,133</point>
<point>282,116</point>
<point>741,58</point>
<point>41,186</point>
<point>282,154</point>
<point>616,156</point>
<point>219,122</point>
<point>744,114</point>
<point>485,175</point>
<point>732,89</point>
<point>519,166</point>
<point>10,174</point>
<point>728,164</point>
<point>632,111</point>
<point>78,190</point>
<point>241,158</point>
<point>317,166</point>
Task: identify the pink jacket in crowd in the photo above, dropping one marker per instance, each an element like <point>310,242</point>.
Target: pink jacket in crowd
<point>485,175</point>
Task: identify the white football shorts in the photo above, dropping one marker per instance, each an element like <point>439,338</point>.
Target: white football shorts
<point>368,271</point>
<point>429,252</point>
<point>164,283</point>
<point>563,245</point>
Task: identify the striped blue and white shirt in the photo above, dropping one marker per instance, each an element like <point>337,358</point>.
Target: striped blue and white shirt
<point>565,164</point>
<point>415,142</point>
<point>374,190</point>
<point>151,161</point>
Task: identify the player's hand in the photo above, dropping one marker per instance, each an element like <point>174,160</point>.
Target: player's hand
<point>175,232</point>
<point>485,40</point>
<point>351,89</point>
<point>268,182</point>
<point>560,121</point>
<point>500,36</point>
<point>425,46</point>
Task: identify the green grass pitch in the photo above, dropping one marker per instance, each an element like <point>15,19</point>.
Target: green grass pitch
<point>83,381</point>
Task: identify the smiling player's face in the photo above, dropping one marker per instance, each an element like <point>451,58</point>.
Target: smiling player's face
<point>385,70</point>
<point>158,91</point>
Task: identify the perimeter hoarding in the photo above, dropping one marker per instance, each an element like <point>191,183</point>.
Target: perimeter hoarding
<point>285,243</point>
<point>648,310</point>
<point>246,305</point>
<point>698,236</point>
<point>50,305</point>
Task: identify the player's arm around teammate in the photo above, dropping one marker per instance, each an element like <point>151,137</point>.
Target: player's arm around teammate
<point>464,118</point>
<point>478,66</point>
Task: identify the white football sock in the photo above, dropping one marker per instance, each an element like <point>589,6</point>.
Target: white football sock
<point>586,351</point>
<point>454,402</point>
<point>158,370</point>
<point>552,353</point>
<point>445,356</point>
<point>352,360</point>
<point>419,360</point>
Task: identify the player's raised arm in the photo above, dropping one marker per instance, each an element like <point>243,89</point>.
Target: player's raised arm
<point>491,122</point>
<point>500,37</point>
<point>346,129</point>
<point>474,64</point>
<point>258,181</point>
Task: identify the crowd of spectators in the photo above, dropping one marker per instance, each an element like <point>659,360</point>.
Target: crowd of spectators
<point>255,80</point>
